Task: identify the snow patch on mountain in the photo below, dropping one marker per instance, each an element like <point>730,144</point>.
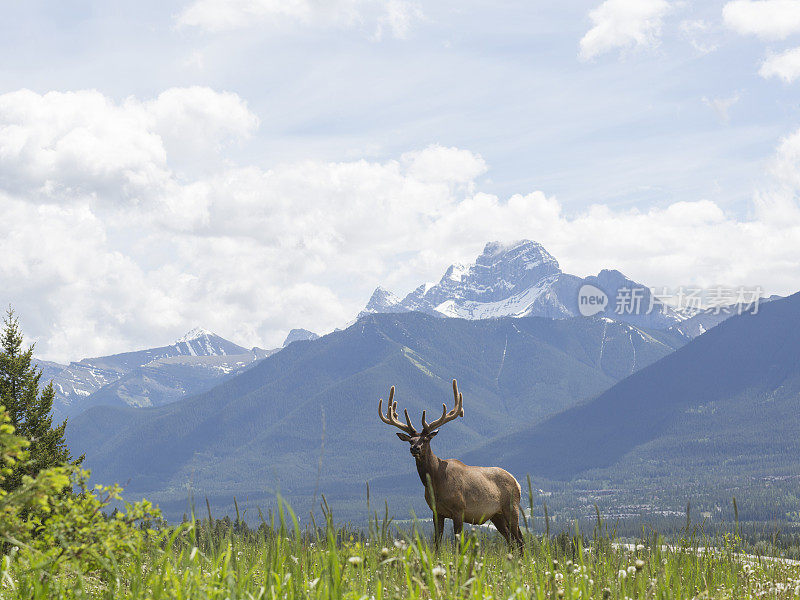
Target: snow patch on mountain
<point>148,377</point>
<point>382,300</point>
<point>519,279</point>
<point>517,305</point>
<point>297,335</point>
<point>196,333</point>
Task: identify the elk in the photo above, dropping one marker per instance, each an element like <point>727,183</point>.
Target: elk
<point>454,490</point>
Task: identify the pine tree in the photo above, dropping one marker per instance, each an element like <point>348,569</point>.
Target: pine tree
<point>29,410</point>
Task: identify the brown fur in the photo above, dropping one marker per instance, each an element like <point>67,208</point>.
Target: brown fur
<point>468,494</point>
<point>454,490</point>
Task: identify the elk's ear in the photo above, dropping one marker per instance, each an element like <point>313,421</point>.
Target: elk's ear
<point>433,434</point>
<point>403,436</point>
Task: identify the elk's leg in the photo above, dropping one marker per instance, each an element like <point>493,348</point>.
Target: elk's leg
<point>438,530</point>
<point>517,532</point>
<point>501,524</point>
<point>513,526</point>
<point>458,525</point>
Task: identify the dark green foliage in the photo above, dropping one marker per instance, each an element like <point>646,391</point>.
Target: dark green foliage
<point>29,409</point>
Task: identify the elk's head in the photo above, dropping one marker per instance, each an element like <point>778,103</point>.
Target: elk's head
<point>420,440</point>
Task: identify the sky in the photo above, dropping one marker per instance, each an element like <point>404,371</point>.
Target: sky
<point>250,166</point>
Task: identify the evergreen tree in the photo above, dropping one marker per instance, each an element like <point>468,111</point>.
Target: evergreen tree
<point>29,410</point>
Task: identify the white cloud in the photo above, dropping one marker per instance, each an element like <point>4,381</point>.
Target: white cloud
<point>78,142</point>
<point>251,252</point>
<point>700,35</point>
<point>437,163</point>
<point>398,18</point>
<point>786,165</point>
<point>74,144</point>
<point>225,15</point>
<point>767,19</point>
<point>623,24</point>
<point>722,106</point>
<point>199,117</point>
<point>785,65</point>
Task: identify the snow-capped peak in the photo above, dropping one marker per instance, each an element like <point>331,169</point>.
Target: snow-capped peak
<point>194,334</point>
<point>526,254</point>
<point>495,248</point>
<point>202,342</point>
<point>515,279</point>
<point>296,335</point>
<point>381,300</point>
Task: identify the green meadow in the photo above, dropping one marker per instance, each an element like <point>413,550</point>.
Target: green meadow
<point>221,559</point>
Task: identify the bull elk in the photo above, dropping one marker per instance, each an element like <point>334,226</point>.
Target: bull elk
<point>454,490</point>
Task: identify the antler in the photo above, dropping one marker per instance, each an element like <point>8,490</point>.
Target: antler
<point>391,415</point>
<point>458,411</point>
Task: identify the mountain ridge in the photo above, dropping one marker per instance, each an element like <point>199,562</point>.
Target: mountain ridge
<point>517,280</point>
<point>197,360</point>
<point>703,388</point>
<point>264,427</point>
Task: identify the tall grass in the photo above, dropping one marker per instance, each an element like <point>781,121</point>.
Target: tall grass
<point>201,559</point>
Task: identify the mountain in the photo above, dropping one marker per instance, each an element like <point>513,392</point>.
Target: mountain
<point>194,363</point>
<point>304,420</point>
<point>381,301</point>
<point>523,279</point>
<point>721,409</point>
<point>697,322</point>
<point>201,342</point>
<point>298,335</point>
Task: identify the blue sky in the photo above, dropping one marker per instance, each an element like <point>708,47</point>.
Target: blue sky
<point>252,166</point>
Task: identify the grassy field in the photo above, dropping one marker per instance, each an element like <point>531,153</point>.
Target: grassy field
<point>224,559</point>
